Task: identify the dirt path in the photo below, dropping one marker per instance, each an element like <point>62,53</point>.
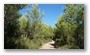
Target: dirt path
<point>48,45</point>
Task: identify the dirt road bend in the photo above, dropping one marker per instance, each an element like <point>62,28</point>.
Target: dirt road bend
<point>48,45</point>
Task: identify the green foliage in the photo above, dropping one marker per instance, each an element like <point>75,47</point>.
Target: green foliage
<point>23,23</point>
<point>60,32</point>
<point>69,28</point>
<point>76,13</point>
<point>24,42</point>
<point>11,24</point>
<point>47,31</point>
<point>34,21</point>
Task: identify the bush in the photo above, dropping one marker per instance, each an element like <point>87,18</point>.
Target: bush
<point>24,42</point>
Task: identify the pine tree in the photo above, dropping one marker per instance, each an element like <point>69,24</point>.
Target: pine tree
<point>35,21</point>
<point>69,28</point>
<point>11,28</point>
<point>75,12</point>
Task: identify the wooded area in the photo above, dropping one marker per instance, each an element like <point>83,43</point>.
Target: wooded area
<point>29,32</point>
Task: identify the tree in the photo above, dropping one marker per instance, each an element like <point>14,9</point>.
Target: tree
<point>46,31</point>
<point>60,32</point>
<point>35,20</point>
<point>76,13</point>
<point>69,28</point>
<point>33,31</point>
<point>11,24</point>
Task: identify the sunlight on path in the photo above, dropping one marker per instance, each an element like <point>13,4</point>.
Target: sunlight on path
<point>48,45</point>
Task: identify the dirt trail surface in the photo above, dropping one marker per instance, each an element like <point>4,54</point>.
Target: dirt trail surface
<point>48,45</point>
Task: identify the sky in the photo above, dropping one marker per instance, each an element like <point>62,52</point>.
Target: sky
<point>51,12</point>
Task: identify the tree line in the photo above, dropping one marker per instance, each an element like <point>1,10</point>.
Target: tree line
<point>29,32</point>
